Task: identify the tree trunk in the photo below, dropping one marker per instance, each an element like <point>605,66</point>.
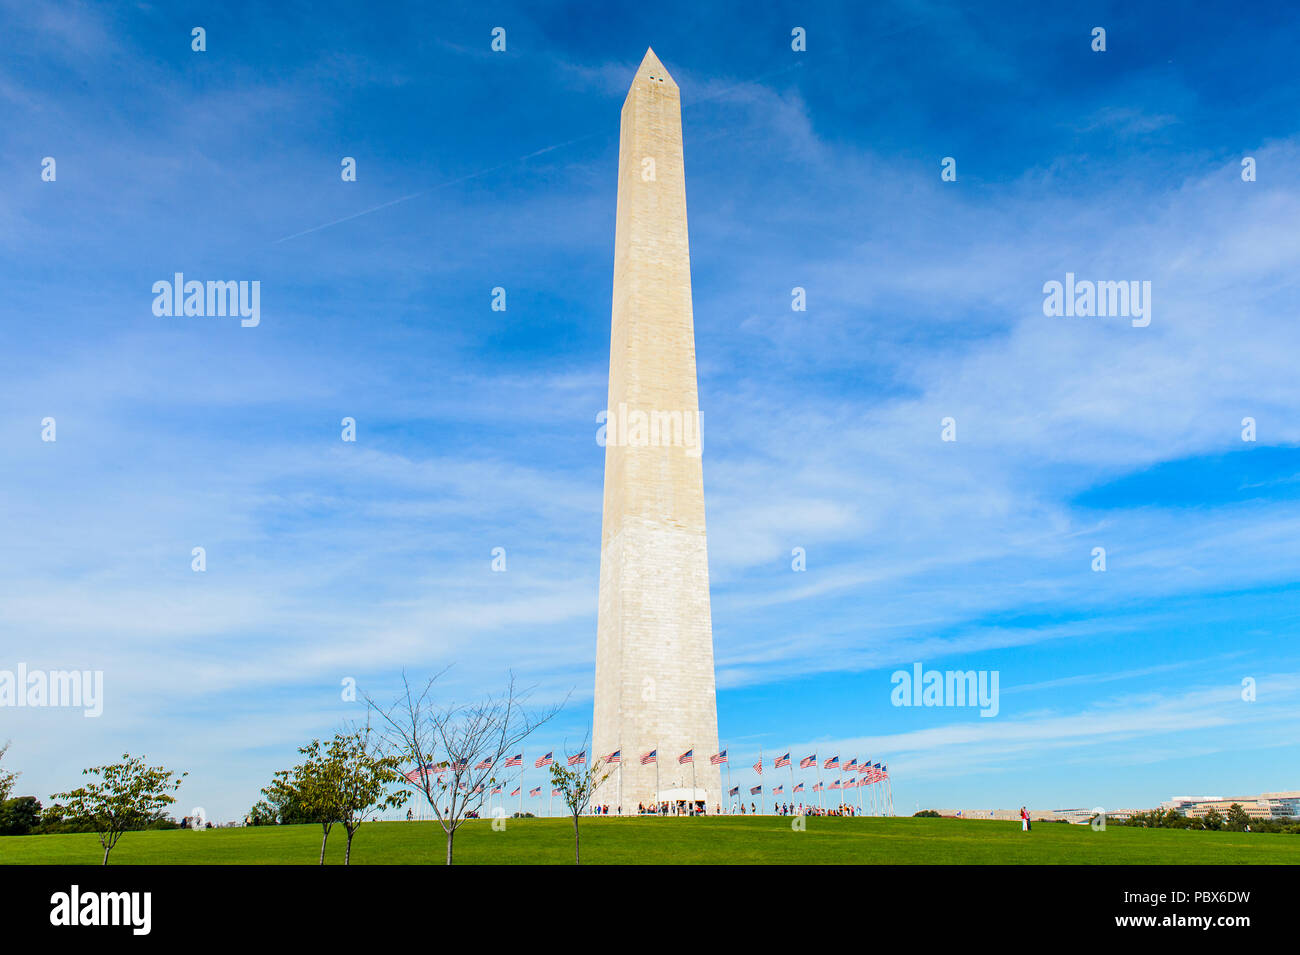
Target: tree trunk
<point>107,850</point>
<point>324,839</point>
<point>347,853</point>
<point>577,859</point>
<point>451,834</point>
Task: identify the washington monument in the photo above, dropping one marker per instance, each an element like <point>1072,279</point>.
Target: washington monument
<point>654,640</point>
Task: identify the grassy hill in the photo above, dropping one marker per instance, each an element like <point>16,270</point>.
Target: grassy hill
<point>726,840</point>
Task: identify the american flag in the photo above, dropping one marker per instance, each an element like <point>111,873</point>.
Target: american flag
<point>415,775</point>
<point>718,758</point>
<point>735,791</point>
<point>864,766</point>
<point>555,792</point>
<point>535,792</point>
<point>478,788</point>
<point>778,790</point>
<point>755,790</point>
<point>817,787</point>
<point>797,789</point>
<point>832,763</point>
<point>808,761</point>
<point>835,785</point>
<point>782,761</point>
<point>515,761</point>
<point>851,766</point>
<point>459,767</point>
<point>873,773</point>
<point>687,757</point>
<point>884,771</point>
<point>484,764</point>
<point>650,757</point>
<point>758,767</point>
<point>516,792</point>
<point>495,790</point>
<point>580,758</point>
<point>615,757</point>
<point>544,760</point>
<point>850,783</point>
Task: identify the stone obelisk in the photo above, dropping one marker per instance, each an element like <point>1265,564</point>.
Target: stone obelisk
<point>654,644</point>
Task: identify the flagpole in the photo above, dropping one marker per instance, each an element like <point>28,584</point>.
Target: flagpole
<point>790,766</point>
<point>656,778</point>
<point>620,779</point>
<point>694,782</point>
<point>728,784</point>
<point>762,790</point>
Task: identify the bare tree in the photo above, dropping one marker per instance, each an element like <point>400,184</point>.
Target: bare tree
<point>472,741</point>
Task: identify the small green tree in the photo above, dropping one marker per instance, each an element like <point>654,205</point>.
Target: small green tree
<point>285,803</point>
<point>362,778</point>
<point>576,784</point>
<point>128,795</point>
<point>309,790</point>
<point>1212,819</point>
<point>19,816</point>
<point>262,814</point>
<point>7,778</point>
<point>1238,818</point>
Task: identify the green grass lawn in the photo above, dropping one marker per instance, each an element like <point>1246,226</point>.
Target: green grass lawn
<point>728,840</point>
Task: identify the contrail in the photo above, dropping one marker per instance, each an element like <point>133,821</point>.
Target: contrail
<point>354,215</point>
<point>511,162</point>
<point>441,185</point>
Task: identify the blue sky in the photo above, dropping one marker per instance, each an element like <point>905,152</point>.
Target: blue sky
<point>476,428</point>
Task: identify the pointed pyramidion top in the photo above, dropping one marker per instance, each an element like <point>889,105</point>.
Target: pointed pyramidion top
<point>651,70</point>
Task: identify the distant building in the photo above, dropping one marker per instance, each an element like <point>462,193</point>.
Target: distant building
<point>1085,815</point>
<point>1282,805</point>
<point>1037,815</point>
